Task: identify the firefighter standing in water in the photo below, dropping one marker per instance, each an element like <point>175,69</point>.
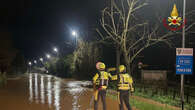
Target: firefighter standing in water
<point>124,87</point>
<point>100,83</point>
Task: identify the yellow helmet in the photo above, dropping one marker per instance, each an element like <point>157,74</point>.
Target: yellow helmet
<point>102,66</point>
<point>122,68</point>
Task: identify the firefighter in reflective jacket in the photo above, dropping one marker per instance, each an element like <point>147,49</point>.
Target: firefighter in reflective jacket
<point>124,87</point>
<point>100,83</point>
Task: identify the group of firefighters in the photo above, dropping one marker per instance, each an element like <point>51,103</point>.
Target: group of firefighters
<point>100,84</point>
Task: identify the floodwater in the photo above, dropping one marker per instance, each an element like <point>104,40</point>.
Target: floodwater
<point>45,92</point>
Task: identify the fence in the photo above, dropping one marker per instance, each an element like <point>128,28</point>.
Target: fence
<point>172,89</point>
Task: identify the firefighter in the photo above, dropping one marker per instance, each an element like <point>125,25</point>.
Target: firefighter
<point>100,83</point>
<point>124,82</point>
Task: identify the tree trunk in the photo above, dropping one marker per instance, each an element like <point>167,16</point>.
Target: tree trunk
<point>128,67</point>
<point>127,62</point>
<point>118,53</point>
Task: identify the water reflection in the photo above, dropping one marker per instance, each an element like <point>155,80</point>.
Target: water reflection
<point>42,90</point>
<point>57,94</point>
<point>30,88</point>
<point>75,89</point>
<point>39,91</point>
<point>36,89</point>
<point>49,91</point>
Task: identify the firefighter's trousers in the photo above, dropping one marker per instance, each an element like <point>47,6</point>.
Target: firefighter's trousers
<point>123,97</point>
<point>100,94</point>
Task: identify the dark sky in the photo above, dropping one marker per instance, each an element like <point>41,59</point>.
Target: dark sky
<point>38,25</point>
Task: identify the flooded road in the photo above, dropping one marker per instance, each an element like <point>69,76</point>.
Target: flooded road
<point>45,92</point>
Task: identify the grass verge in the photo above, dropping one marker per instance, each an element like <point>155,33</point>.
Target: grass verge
<point>166,99</point>
<point>142,105</point>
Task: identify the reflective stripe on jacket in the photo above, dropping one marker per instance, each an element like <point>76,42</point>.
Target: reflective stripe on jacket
<point>101,79</point>
<point>124,81</point>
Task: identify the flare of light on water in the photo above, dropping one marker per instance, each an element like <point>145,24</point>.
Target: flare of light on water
<point>42,90</point>
<point>30,88</point>
<point>36,89</point>
<point>57,91</point>
<point>75,89</point>
<point>49,91</point>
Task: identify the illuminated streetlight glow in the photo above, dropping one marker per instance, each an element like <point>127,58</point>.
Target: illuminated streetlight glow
<point>74,33</point>
<point>55,49</point>
<point>30,63</point>
<point>48,56</point>
<point>35,61</point>
<point>41,59</point>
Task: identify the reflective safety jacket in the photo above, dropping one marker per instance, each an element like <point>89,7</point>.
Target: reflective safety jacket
<point>125,82</point>
<point>101,79</point>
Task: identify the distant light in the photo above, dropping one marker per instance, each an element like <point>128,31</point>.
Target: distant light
<point>48,56</point>
<point>41,59</point>
<point>55,49</point>
<point>74,33</point>
<point>30,63</point>
<point>35,61</point>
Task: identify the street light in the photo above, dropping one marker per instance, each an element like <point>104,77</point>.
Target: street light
<point>30,64</point>
<point>75,34</point>
<point>55,49</point>
<point>48,56</point>
<point>41,59</point>
<point>35,61</point>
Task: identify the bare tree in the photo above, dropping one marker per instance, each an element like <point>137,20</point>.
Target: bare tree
<point>85,57</point>
<point>123,28</point>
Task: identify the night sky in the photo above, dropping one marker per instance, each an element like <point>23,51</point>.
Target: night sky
<point>38,25</point>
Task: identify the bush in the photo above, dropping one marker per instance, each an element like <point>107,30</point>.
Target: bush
<point>3,79</point>
<point>18,65</point>
<point>190,106</point>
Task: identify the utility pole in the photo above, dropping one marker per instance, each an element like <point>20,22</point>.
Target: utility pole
<point>183,46</point>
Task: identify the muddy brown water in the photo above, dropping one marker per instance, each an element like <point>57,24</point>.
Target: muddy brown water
<point>44,92</point>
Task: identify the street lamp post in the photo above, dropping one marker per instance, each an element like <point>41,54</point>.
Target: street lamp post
<point>48,56</point>
<point>30,64</point>
<point>41,59</point>
<point>74,33</point>
<point>55,50</point>
<point>35,61</point>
